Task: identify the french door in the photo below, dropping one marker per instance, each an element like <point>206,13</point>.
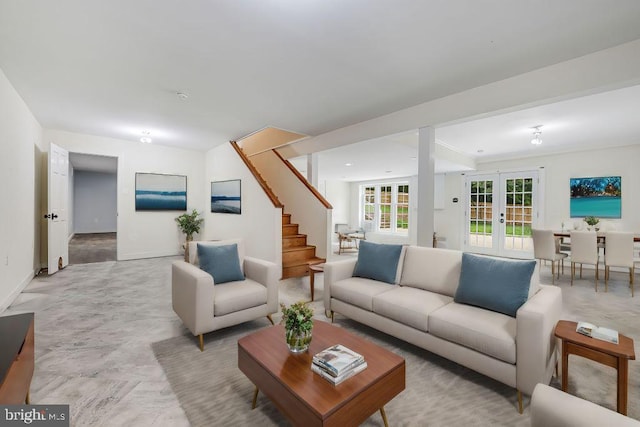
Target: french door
<point>501,210</point>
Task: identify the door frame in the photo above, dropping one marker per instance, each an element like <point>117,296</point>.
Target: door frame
<point>539,213</point>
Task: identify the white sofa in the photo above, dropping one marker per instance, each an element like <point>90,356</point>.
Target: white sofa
<point>551,407</point>
<point>420,309</point>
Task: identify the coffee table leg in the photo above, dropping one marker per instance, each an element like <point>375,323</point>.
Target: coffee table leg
<point>311,281</point>
<point>565,366</point>
<point>623,366</point>
<point>384,417</point>
<point>255,398</point>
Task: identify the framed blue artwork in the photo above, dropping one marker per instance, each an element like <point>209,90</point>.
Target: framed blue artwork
<point>159,192</point>
<point>596,196</point>
<point>226,196</point>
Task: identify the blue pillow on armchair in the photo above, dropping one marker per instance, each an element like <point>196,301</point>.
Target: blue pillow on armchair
<point>378,261</point>
<point>497,284</point>
<point>222,262</point>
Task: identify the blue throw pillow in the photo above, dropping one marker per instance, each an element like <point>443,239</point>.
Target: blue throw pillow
<point>497,284</point>
<point>222,262</point>
<point>377,261</point>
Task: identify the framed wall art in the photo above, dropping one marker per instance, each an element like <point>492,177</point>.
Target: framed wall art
<point>160,192</point>
<point>596,196</point>
<point>226,196</point>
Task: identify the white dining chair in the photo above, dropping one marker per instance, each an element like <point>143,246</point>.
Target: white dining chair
<point>619,253</point>
<point>545,248</point>
<point>584,250</point>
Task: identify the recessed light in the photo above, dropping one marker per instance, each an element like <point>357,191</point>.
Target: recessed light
<point>348,164</point>
<point>182,96</point>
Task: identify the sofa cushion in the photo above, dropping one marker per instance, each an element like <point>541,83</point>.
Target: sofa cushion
<point>235,296</point>
<point>436,270</point>
<point>358,291</point>
<point>497,284</point>
<point>193,249</point>
<point>410,306</point>
<point>378,261</point>
<point>221,262</point>
<point>486,331</point>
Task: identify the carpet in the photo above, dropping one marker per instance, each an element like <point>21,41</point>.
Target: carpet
<point>213,391</point>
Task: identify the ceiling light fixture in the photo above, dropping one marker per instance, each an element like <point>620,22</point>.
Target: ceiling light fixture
<point>348,164</point>
<point>182,96</point>
<point>146,138</point>
<point>536,135</point>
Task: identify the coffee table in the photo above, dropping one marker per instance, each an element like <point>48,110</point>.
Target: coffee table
<point>613,355</point>
<point>306,398</point>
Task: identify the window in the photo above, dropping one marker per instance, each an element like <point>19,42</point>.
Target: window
<point>385,207</point>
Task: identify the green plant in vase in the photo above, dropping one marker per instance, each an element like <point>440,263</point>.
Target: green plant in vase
<point>189,224</point>
<point>592,221</point>
<point>298,323</point>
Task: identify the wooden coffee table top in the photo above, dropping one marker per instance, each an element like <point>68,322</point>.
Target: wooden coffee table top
<point>566,330</point>
<point>288,381</point>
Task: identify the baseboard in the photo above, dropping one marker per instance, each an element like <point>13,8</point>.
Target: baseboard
<point>143,255</point>
<point>14,294</point>
<point>70,237</point>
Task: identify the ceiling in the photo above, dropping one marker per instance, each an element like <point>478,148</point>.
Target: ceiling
<point>93,163</point>
<point>114,68</point>
<point>606,119</point>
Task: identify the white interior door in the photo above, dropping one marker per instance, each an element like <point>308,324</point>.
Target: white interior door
<point>57,215</point>
<point>502,208</point>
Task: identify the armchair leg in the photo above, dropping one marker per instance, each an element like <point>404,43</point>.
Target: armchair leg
<point>270,319</point>
<point>520,401</point>
<point>201,342</point>
<point>332,310</point>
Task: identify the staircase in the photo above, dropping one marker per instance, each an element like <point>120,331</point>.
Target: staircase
<point>296,254</point>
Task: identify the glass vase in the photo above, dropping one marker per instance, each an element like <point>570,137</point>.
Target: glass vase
<point>298,341</point>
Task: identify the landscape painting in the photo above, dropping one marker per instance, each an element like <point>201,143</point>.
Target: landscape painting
<point>158,192</point>
<point>226,197</point>
<point>600,197</point>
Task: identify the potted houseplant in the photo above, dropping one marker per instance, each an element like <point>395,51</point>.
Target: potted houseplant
<point>298,323</point>
<point>592,221</point>
<point>190,224</point>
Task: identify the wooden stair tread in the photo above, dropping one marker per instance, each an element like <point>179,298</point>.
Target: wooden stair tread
<point>308,261</point>
<point>298,248</point>
<point>293,236</point>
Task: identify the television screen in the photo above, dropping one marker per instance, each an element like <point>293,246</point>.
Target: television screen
<point>600,197</point>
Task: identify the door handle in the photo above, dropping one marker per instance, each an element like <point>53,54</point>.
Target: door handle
<point>52,216</point>
<point>47,216</point>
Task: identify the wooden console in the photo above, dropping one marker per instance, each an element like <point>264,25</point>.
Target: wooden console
<point>16,358</point>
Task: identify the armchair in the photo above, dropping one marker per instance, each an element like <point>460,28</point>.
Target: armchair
<point>204,306</point>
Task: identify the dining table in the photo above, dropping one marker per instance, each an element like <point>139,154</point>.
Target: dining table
<point>601,235</point>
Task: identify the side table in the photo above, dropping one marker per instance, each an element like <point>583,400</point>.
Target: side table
<point>613,355</point>
<point>17,357</point>
<point>313,269</point>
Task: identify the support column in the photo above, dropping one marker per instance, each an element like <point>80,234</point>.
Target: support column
<point>426,186</point>
<point>312,169</point>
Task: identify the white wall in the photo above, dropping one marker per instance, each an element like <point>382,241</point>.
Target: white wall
<point>95,202</point>
<point>20,162</point>
<point>142,234</point>
<point>305,208</point>
<point>618,161</point>
<point>259,224</point>
<point>338,193</point>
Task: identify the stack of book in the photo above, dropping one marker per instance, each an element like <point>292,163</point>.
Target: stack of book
<point>337,363</point>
